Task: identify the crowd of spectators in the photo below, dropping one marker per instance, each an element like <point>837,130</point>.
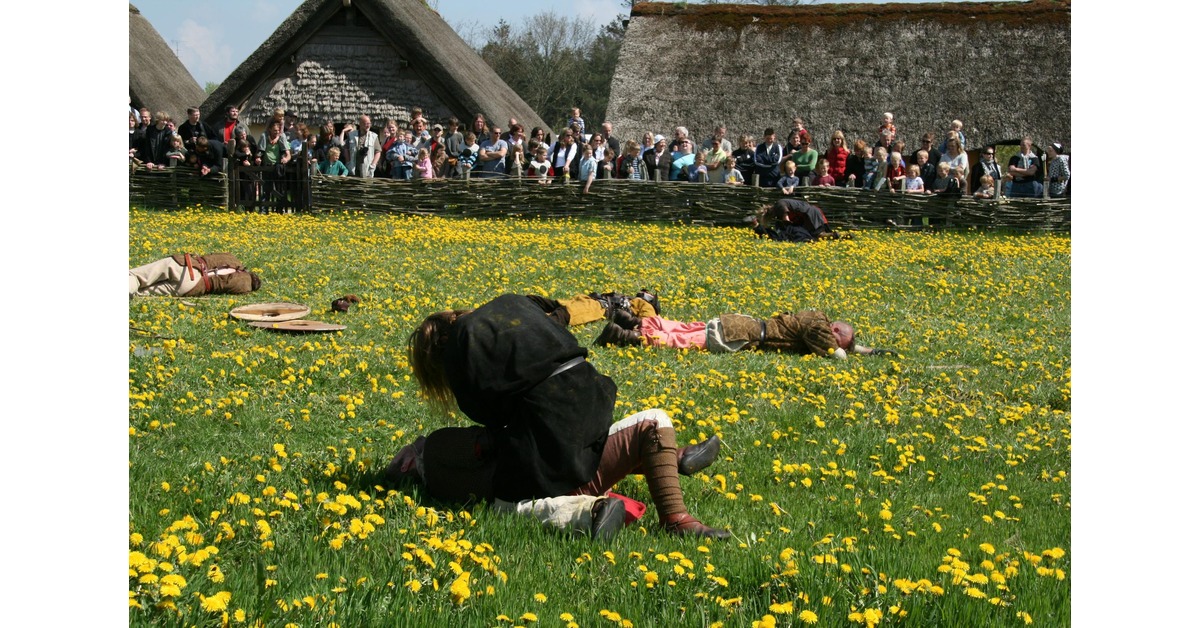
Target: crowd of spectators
<point>415,149</point>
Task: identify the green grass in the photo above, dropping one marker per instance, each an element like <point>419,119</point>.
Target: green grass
<point>964,438</point>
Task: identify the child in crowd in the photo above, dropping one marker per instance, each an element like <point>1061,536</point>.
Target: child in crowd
<point>400,157</point>
<point>587,167</point>
<point>333,166</point>
<point>177,154</point>
<point>439,161</point>
<point>913,183</point>
<point>788,182</point>
<point>887,124</point>
<point>698,169</point>
<point>470,151</point>
<point>605,169</point>
<point>423,165</point>
<point>987,187</point>
<point>895,172</point>
<point>928,170</point>
<point>821,175</point>
<point>959,175</point>
<point>875,170</point>
<point>577,120</point>
<point>942,182</point>
<point>955,132</point>
<point>540,167</point>
<point>733,176</point>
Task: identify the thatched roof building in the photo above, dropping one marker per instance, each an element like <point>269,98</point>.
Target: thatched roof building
<point>338,59</point>
<point>1003,68</point>
<point>157,79</point>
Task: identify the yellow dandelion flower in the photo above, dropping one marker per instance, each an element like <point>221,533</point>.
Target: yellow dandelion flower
<point>987,548</point>
<point>460,589</point>
<point>782,609</point>
<point>529,617</point>
<point>216,603</point>
<point>767,621</point>
<point>808,616</point>
<point>540,598</point>
<point>567,617</point>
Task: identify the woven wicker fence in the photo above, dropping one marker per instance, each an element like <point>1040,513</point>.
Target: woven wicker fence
<point>175,188</point>
<point>715,204</point>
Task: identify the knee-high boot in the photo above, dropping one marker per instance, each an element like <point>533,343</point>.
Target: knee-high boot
<point>660,462</point>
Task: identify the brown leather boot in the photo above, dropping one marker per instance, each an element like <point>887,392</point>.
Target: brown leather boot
<point>626,320</point>
<point>612,334</point>
<point>683,524</point>
<point>660,462</point>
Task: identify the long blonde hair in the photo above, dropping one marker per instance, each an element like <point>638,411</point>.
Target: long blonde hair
<point>426,355</point>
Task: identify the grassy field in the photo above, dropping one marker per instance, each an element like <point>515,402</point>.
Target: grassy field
<point>932,488</point>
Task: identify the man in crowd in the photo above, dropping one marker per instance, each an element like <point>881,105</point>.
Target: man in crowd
<point>767,156</point>
<point>1025,171</point>
<point>606,129</point>
<point>230,127</point>
<point>194,128</point>
<point>492,153</point>
<point>362,144</point>
<point>718,141</point>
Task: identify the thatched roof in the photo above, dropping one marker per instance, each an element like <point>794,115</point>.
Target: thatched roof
<point>337,59</point>
<point>840,66</point>
<point>157,78</point>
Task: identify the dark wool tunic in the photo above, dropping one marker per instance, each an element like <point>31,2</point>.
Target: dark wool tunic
<point>546,432</point>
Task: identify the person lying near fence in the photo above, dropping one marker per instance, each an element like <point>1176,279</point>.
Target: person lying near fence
<point>546,414</point>
<point>188,275</point>
<point>582,309</point>
<point>791,220</point>
<point>807,332</point>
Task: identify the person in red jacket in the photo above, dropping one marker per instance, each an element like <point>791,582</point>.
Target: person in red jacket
<point>837,155</point>
<point>188,275</point>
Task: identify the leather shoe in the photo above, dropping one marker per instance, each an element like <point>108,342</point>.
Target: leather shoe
<point>626,319</point>
<point>683,524</point>
<point>614,334</point>
<point>693,458</point>
<point>608,517</point>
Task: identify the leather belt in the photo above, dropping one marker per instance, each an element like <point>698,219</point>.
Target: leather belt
<point>762,334</point>
<point>568,365</point>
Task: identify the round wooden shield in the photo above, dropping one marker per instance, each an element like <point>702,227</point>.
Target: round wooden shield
<point>270,311</point>
<point>299,325</point>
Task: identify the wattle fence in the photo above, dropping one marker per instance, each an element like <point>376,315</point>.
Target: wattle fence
<point>700,203</point>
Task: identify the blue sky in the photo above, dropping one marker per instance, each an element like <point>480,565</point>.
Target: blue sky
<point>213,41</point>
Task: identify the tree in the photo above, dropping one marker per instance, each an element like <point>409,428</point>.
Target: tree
<point>211,87</point>
<point>555,63</point>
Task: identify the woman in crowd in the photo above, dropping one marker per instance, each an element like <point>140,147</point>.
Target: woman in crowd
<point>836,156</point>
<point>954,155</point>
<point>1057,169</point>
<point>681,159</point>
<point>479,126</point>
<point>856,173</point>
